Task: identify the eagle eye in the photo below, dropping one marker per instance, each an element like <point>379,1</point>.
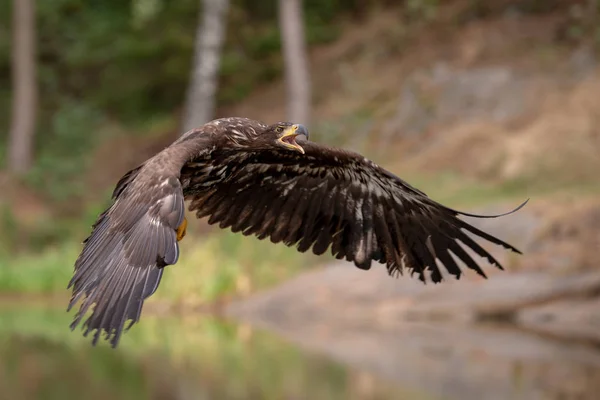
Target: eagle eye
<point>279,129</point>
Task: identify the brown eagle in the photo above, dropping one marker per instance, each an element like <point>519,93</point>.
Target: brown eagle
<point>267,181</point>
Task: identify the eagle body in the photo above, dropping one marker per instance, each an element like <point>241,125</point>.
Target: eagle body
<point>258,180</point>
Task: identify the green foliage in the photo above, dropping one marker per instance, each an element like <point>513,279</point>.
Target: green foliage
<point>132,59</point>
<point>219,266</point>
<point>225,264</point>
<point>47,273</point>
<point>95,53</point>
<point>8,227</point>
<point>73,129</point>
<point>584,22</point>
<point>422,10</point>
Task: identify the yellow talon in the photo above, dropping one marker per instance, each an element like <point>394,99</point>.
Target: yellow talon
<point>181,229</point>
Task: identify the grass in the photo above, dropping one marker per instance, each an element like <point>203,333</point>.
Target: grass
<point>225,264</point>
<point>46,273</point>
<point>210,268</point>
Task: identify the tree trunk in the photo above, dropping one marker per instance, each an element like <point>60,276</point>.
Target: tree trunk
<point>295,61</point>
<point>20,147</point>
<point>210,35</point>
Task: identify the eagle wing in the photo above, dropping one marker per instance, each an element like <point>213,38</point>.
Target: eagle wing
<point>334,198</point>
<point>122,260</point>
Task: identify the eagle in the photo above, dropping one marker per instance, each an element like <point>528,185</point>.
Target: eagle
<point>269,181</point>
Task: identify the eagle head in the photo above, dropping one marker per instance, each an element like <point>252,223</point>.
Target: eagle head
<point>284,135</point>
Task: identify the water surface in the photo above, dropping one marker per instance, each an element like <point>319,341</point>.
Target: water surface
<point>168,358</point>
<point>200,357</point>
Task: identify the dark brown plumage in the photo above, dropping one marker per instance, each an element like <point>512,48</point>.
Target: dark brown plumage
<point>256,179</point>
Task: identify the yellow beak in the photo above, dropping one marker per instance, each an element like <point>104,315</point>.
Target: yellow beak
<point>288,138</point>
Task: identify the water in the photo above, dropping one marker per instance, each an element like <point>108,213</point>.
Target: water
<point>456,361</point>
<point>199,357</point>
<point>167,358</point>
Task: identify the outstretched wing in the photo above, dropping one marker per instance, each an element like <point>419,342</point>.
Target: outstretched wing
<point>334,198</point>
<point>122,260</point>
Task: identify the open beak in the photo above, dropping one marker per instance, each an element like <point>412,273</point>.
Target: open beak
<point>288,138</point>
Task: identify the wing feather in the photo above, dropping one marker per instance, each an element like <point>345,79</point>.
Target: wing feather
<point>333,199</point>
<point>122,261</point>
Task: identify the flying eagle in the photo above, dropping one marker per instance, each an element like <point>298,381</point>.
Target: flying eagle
<point>267,181</point>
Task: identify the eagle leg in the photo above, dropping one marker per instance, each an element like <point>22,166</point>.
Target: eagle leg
<point>181,229</point>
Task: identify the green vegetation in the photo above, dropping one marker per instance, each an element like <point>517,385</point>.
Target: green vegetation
<point>45,273</point>
<point>225,264</point>
<point>210,268</point>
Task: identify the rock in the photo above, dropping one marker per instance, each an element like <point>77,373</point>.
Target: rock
<point>345,294</point>
<point>505,296</point>
<point>572,319</point>
<point>443,95</point>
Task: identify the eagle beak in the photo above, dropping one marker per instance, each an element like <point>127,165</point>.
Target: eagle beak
<point>288,138</point>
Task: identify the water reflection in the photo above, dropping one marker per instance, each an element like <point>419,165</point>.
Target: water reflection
<point>203,358</point>
<point>479,362</point>
<point>168,358</point>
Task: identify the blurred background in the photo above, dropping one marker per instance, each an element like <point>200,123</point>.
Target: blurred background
<point>481,104</point>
